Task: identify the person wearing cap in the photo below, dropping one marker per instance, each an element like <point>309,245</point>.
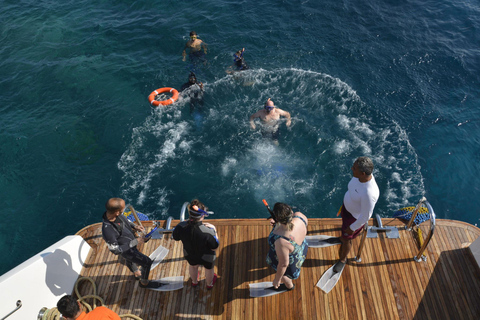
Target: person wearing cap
<point>200,240</point>
<point>269,117</point>
<point>195,46</point>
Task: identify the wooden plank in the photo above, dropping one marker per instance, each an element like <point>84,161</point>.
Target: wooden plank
<point>388,284</point>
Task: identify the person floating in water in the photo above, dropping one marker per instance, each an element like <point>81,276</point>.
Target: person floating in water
<point>239,61</point>
<point>270,117</point>
<point>194,89</point>
<point>195,46</point>
<point>192,81</point>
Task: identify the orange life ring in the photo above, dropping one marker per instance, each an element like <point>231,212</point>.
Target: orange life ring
<point>151,97</point>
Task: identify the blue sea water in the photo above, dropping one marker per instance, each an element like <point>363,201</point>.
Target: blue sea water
<point>394,80</point>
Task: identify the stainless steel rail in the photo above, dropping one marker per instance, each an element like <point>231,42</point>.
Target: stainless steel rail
<point>420,256</point>
<point>408,227</point>
<point>19,305</point>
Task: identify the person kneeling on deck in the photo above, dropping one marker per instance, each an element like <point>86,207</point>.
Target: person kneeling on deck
<point>70,309</point>
<point>288,248</point>
<point>199,241</point>
<point>358,204</point>
<point>119,234</point>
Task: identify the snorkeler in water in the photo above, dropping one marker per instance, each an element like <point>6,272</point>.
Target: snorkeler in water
<point>270,116</point>
<point>239,63</point>
<point>195,46</point>
<point>192,80</point>
<point>193,89</point>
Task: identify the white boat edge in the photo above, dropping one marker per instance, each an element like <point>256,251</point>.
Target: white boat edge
<point>43,279</point>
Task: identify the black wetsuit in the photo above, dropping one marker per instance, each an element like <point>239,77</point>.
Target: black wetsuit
<point>120,239</point>
<point>198,241</point>
<point>239,61</point>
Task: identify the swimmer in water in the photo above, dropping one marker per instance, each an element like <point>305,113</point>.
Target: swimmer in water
<point>195,46</point>
<point>192,80</point>
<point>239,61</point>
<point>194,89</point>
<point>269,117</point>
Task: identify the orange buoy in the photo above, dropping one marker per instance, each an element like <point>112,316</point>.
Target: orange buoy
<point>151,97</point>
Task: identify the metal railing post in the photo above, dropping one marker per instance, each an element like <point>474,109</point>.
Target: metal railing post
<point>419,255</point>
<point>362,244</point>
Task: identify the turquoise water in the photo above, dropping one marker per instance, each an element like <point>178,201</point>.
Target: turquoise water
<point>397,81</point>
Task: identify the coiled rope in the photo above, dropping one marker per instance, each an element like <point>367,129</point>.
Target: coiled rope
<point>54,314</point>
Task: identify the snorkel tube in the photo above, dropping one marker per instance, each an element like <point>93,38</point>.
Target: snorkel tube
<point>148,235</point>
<point>272,215</point>
<point>201,211</point>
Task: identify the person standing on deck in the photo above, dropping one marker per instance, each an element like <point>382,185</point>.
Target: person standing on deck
<point>358,204</point>
<point>119,234</point>
<point>71,309</point>
<point>199,241</point>
<point>288,248</point>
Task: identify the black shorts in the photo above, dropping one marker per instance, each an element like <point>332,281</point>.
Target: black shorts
<point>194,261</point>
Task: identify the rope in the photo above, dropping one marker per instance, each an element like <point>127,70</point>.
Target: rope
<point>54,314</point>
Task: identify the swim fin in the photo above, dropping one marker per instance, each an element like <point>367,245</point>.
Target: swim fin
<point>166,284</point>
<point>157,256</point>
<point>329,279</point>
<point>321,241</point>
<point>265,289</point>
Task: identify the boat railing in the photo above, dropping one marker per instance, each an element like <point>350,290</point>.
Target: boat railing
<point>420,256</point>
<point>168,226</point>
<point>393,231</point>
<point>19,305</point>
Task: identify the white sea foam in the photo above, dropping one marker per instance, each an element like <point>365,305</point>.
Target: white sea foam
<point>331,127</point>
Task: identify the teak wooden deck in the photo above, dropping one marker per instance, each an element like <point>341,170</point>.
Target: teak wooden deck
<point>387,284</point>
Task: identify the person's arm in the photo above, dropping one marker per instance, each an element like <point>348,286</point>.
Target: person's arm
<point>204,45</point>
<point>252,118</point>
<point>213,241</point>
<point>286,115</point>
<point>283,260</point>
<point>184,53</point>
<point>176,232</point>
<point>367,206</point>
<point>110,235</point>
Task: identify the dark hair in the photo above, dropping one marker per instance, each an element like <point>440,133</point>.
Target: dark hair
<point>193,33</point>
<point>365,164</point>
<point>68,306</point>
<point>192,215</point>
<point>283,214</point>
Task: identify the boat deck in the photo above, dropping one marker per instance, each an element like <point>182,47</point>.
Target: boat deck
<point>387,284</point>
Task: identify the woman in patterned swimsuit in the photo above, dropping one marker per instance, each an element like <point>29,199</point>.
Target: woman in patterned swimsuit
<point>288,248</point>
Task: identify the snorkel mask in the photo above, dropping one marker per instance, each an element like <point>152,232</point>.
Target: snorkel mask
<point>199,212</point>
<point>269,108</point>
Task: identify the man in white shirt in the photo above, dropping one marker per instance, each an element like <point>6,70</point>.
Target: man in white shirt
<point>358,204</point>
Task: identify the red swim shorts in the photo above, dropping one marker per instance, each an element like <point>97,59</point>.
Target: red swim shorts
<point>347,220</point>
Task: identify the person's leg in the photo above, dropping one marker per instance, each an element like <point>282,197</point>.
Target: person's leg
<point>134,268</point>
<point>136,257</point>
<point>193,270</point>
<point>288,282</point>
<point>345,248</point>
<point>209,274</point>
